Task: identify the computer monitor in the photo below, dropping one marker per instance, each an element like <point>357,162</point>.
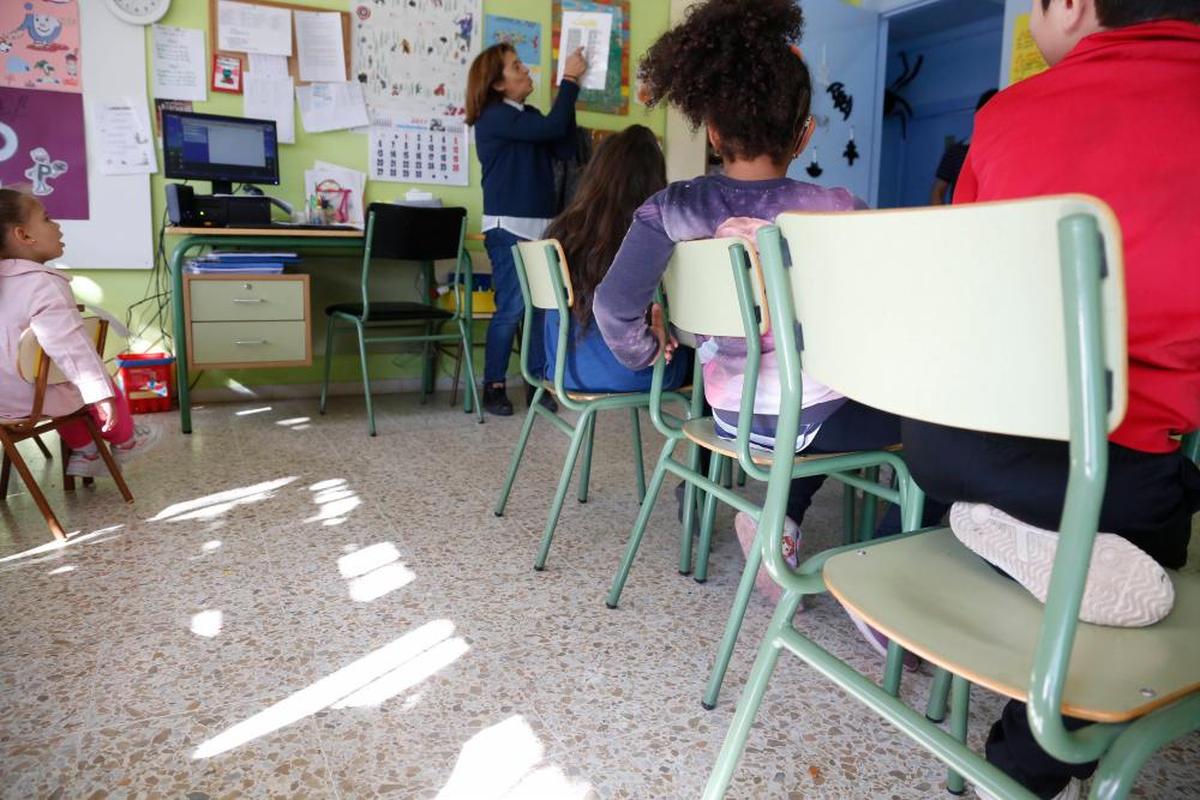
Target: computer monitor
<point>224,150</point>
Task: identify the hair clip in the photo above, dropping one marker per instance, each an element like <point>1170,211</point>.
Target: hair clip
<point>795,48</point>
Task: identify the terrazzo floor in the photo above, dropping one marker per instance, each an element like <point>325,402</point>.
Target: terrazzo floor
<point>292,609</point>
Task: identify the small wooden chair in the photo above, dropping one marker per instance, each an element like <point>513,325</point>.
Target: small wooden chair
<point>36,367</point>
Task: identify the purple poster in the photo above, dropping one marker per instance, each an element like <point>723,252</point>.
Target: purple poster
<point>42,147</point>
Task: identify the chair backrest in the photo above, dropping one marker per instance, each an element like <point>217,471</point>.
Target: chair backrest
<point>31,356</point>
<point>702,287</point>
<point>956,315</point>
<point>541,259</point>
<point>414,233</point>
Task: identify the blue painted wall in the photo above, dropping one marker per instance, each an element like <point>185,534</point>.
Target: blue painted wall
<point>960,63</point>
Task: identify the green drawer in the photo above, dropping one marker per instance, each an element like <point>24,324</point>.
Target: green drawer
<point>225,300</point>
<point>250,343</point>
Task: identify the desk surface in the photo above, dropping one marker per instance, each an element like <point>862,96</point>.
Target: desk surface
<point>332,233</point>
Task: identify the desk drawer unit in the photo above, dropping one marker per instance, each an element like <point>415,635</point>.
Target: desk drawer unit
<point>248,321</point>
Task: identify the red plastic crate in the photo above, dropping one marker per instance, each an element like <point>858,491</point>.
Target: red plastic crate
<point>148,381</point>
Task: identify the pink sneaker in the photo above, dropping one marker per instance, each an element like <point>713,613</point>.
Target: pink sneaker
<point>746,528</point>
<point>879,642</point>
<point>84,464</point>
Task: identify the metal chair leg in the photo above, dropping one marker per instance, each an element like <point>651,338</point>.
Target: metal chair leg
<point>327,365</point>
<point>366,378</point>
<point>639,526</point>
<point>585,472</point>
<point>638,465</point>
<point>733,625</point>
<point>717,465</point>
<point>689,513</point>
<point>752,696</point>
<point>515,461</point>
<point>564,481</point>
<point>961,689</point>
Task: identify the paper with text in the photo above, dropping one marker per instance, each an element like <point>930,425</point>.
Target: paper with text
<point>331,106</point>
<point>179,63</point>
<point>593,32</point>
<point>271,98</point>
<point>319,46</point>
<point>246,28</point>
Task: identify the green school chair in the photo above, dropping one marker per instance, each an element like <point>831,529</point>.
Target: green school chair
<point>1017,313</point>
<point>714,288</point>
<point>546,285</point>
<point>407,233</point>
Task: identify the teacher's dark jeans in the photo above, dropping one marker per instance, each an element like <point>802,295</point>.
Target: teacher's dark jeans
<point>510,310</point>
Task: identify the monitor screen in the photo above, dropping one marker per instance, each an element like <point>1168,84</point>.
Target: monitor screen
<point>223,150</point>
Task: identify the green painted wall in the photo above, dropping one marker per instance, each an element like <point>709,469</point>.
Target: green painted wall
<point>337,279</point>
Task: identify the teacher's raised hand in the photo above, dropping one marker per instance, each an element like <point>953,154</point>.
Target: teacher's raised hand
<point>575,67</point>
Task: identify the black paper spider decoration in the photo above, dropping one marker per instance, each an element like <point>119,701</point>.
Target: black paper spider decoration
<point>893,104</point>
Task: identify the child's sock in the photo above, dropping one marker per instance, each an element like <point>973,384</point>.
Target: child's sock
<point>746,528</point>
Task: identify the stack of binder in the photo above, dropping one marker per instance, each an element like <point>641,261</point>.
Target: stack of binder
<point>239,262</point>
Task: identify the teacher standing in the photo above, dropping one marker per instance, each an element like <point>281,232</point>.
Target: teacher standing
<point>516,144</point>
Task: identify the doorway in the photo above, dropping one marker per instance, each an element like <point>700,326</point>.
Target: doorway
<point>941,56</point>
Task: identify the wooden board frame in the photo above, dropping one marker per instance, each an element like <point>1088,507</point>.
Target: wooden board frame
<point>293,59</point>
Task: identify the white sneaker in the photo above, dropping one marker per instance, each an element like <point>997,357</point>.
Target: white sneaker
<point>83,464</point>
<point>144,439</point>
<point>1073,791</point>
<point>1125,587</point>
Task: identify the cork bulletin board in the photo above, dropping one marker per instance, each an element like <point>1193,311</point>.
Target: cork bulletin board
<point>293,60</point>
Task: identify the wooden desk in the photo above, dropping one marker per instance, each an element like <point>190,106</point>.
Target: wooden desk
<point>265,238</point>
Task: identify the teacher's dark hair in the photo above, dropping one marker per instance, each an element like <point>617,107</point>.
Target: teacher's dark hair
<point>627,168</point>
<point>486,69</point>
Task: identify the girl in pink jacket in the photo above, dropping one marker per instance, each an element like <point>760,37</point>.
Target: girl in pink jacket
<point>37,297</point>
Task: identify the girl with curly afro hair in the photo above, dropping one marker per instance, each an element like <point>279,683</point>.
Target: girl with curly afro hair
<point>733,65</point>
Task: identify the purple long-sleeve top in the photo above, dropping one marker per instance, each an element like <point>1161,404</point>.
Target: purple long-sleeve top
<point>684,211</point>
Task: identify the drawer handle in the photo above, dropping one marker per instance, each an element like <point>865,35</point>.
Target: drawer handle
<point>249,342</point>
<point>248,300</point>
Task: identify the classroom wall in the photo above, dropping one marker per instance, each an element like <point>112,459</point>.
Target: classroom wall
<point>335,279</point>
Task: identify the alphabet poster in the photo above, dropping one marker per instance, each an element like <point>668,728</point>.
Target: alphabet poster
<point>412,56</point>
<point>39,45</point>
<point>42,147</point>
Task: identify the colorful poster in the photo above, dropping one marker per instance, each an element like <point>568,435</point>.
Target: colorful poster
<point>1026,57</point>
<point>412,56</point>
<point>613,98</point>
<point>420,150</point>
<point>39,45</point>
<point>524,35</point>
<point>42,147</point>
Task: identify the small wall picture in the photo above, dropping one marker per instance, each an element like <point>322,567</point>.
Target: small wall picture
<point>227,74</point>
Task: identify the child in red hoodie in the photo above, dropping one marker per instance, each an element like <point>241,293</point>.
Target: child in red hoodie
<point>1116,116</point>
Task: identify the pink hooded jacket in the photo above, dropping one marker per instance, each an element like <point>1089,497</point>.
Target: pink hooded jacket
<point>35,296</point>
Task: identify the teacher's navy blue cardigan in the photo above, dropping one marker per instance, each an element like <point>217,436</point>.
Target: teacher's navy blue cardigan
<point>515,148</point>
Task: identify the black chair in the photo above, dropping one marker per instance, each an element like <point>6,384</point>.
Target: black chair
<point>424,235</point>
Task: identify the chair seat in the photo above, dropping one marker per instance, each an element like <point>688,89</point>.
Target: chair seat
<point>702,432</point>
<point>946,604</point>
<point>391,312</point>
<point>587,397</point>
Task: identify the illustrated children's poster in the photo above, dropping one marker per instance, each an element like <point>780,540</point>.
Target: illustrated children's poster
<point>39,44</point>
<point>524,35</point>
<point>412,56</point>
<point>42,147</point>
<point>574,24</point>
<point>420,150</point>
